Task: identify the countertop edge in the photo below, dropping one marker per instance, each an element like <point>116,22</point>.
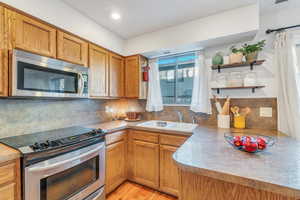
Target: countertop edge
<point>257,184</point>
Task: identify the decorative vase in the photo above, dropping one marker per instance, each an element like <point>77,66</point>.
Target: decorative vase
<point>236,58</point>
<point>218,59</point>
<point>252,57</point>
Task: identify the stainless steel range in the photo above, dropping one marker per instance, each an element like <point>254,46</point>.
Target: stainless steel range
<point>64,164</point>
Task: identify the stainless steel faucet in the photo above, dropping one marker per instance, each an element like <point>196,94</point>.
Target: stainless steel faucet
<point>194,120</point>
<point>180,116</point>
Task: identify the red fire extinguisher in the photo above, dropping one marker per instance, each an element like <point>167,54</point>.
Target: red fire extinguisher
<point>146,73</point>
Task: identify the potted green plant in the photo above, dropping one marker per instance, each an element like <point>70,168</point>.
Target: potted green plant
<point>250,51</point>
<point>236,55</point>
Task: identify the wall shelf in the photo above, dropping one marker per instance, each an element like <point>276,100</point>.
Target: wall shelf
<point>241,87</point>
<point>235,65</point>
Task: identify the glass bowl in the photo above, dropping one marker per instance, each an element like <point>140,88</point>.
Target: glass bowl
<point>249,143</point>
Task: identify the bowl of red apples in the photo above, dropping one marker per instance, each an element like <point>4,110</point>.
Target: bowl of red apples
<point>249,143</point>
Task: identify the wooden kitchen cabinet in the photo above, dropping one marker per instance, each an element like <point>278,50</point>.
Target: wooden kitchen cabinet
<point>169,172</point>
<point>115,165</point>
<point>99,71</point>
<point>134,86</point>
<point>150,160</point>
<point>3,57</point>
<point>146,163</point>
<point>10,188</point>
<point>72,49</point>
<point>132,77</point>
<point>116,75</point>
<point>30,34</point>
<point>116,160</point>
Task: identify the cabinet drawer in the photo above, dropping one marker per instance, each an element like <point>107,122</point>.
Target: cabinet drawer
<point>145,136</point>
<point>7,173</point>
<point>115,137</point>
<point>7,192</point>
<point>172,140</point>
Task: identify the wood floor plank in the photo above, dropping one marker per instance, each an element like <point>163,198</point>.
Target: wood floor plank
<point>132,191</point>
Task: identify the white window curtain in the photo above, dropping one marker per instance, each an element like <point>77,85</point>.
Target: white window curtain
<point>200,97</point>
<point>288,84</point>
<point>154,100</point>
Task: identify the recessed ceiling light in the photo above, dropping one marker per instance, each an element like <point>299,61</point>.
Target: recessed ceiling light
<point>115,16</point>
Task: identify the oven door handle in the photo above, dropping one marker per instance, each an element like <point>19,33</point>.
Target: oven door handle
<point>80,90</point>
<point>36,169</point>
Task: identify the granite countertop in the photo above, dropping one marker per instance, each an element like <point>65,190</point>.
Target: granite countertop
<point>276,170</point>
<point>207,153</point>
<point>8,154</point>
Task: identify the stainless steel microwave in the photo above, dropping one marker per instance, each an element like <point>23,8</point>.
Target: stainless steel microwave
<point>38,76</point>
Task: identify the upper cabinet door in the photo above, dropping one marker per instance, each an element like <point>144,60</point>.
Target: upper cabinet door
<point>99,58</point>
<point>132,77</point>
<point>3,57</point>
<point>30,34</point>
<point>72,49</point>
<point>116,75</point>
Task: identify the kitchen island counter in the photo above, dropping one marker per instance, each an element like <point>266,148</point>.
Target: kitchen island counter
<point>206,158</point>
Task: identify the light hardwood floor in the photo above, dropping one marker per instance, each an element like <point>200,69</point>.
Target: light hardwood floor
<point>132,191</point>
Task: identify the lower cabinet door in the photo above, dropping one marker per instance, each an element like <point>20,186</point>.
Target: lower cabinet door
<point>146,163</point>
<point>169,173</point>
<point>115,165</point>
<point>8,192</point>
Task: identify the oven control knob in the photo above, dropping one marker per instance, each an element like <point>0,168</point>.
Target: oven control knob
<point>44,145</point>
<point>35,146</point>
<point>94,132</point>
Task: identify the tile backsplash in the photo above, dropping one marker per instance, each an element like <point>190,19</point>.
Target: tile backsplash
<point>24,116</point>
<point>19,116</point>
<point>253,120</point>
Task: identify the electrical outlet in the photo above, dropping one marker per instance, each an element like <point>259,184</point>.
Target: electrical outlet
<point>265,111</point>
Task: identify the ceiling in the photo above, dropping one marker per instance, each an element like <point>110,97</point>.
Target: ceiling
<point>144,16</point>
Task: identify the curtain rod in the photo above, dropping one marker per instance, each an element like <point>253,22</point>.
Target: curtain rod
<point>281,29</point>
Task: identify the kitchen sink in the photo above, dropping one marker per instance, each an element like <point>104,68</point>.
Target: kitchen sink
<point>166,125</point>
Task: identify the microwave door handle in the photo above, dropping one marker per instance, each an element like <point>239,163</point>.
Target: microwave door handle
<point>80,90</point>
<point>36,169</point>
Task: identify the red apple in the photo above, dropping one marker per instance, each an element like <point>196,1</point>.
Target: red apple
<point>247,139</point>
<point>250,146</point>
<point>262,144</point>
<point>237,141</point>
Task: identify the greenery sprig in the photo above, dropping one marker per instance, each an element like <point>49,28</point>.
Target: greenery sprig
<point>249,48</point>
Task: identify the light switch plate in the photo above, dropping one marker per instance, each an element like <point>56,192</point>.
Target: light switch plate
<point>265,112</point>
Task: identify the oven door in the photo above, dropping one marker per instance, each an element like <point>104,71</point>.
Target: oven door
<point>73,176</point>
<point>38,76</point>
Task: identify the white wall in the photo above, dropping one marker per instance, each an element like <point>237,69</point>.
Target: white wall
<point>59,14</point>
<point>281,15</point>
<point>241,20</point>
